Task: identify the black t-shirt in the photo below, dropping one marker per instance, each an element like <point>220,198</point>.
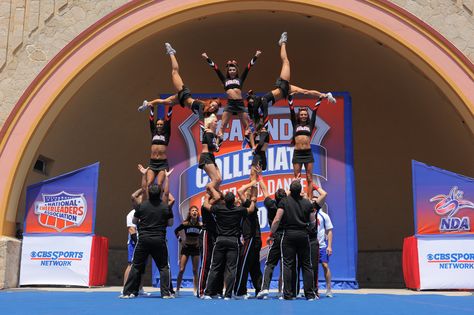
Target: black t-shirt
<point>208,220</point>
<point>297,211</point>
<point>229,220</point>
<point>153,218</point>
<point>272,208</point>
<point>313,230</point>
<point>251,225</point>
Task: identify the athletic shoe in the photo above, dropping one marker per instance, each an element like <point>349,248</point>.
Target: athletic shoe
<point>227,298</point>
<point>169,49</point>
<point>329,294</point>
<point>176,294</point>
<point>241,297</point>
<point>331,98</point>
<point>131,296</point>
<point>206,297</point>
<point>143,107</point>
<point>283,38</point>
<point>166,297</point>
<point>143,293</point>
<point>262,294</point>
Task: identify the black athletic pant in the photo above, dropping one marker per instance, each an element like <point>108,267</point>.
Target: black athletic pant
<point>274,256</point>
<point>225,257</point>
<point>156,247</point>
<point>314,247</point>
<point>249,263</point>
<point>295,246</point>
<point>206,246</point>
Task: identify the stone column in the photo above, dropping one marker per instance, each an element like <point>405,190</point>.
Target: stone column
<point>10,253</point>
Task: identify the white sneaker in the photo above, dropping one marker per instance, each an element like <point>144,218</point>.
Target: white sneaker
<point>241,297</point>
<point>169,49</point>
<point>262,294</point>
<point>206,297</point>
<point>227,298</point>
<point>331,98</point>
<point>131,296</point>
<point>166,297</point>
<point>283,38</point>
<point>329,294</point>
<point>143,107</point>
<point>143,293</point>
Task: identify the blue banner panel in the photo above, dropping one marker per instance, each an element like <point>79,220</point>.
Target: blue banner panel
<point>64,204</point>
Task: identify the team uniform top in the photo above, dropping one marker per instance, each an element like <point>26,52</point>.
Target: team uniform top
<point>208,220</point>
<point>130,223</point>
<point>229,220</point>
<point>297,212</point>
<point>324,224</point>
<point>153,218</point>
<point>189,230</point>
<point>229,83</point>
<point>162,138</point>
<point>300,129</point>
<point>272,208</point>
<point>210,139</point>
<point>251,226</point>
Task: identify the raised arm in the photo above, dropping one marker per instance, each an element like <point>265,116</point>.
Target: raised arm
<point>143,171</point>
<point>292,111</point>
<point>167,124</point>
<point>322,195</point>
<point>241,191</point>
<point>249,65</point>
<point>263,187</point>
<point>213,65</point>
<point>166,189</point>
<point>263,139</point>
<point>137,198</point>
<point>152,121</point>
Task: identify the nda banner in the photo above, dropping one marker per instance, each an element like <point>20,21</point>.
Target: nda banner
<point>443,201</point>
<point>63,205</point>
<point>331,145</point>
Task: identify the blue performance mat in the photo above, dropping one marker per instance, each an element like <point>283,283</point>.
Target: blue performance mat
<point>69,303</point>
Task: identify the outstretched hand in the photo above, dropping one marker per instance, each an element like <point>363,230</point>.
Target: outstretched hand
<point>258,53</point>
<point>142,169</point>
<point>204,55</point>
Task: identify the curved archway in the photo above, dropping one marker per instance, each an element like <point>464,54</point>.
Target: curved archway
<point>50,92</point>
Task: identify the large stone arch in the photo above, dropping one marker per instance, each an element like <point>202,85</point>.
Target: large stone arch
<point>47,96</point>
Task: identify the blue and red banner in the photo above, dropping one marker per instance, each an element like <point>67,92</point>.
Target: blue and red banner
<point>333,170</point>
<point>64,204</point>
<point>443,201</point>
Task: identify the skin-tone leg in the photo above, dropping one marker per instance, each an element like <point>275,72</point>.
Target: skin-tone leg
<point>244,121</point>
<point>224,121</point>
<point>195,261</point>
<point>285,63</point>
<point>213,172</point>
<point>160,177</point>
<point>297,169</point>
<point>175,77</point>
<point>327,276</point>
<point>182,267</point>
<point>309,179</point>
<point>150,177</point>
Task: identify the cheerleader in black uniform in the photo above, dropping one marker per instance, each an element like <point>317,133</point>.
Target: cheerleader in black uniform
<point>183,96</point>
<point>233,83</point>
<point>189,245</point>
<point>207,160</point>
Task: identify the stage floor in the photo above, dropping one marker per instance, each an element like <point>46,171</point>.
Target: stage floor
<point>69,301</point>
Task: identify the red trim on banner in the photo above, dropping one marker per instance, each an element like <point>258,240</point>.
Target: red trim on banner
<point>411,268</point>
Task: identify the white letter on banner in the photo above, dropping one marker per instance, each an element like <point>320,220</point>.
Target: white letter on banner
<point>226,174</point>
<point>247,162</point>
<point>281,162</point>
<point>286,129</point>
<point>236,167</point>
<point>235,131</point>
<point>273,129</point>
<point>262,217</point>
<point>270,159</point>
<point>201,179</point>
<point>271,187</point>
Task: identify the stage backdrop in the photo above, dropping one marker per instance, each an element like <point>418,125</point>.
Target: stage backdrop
<point>443,201</point>
<point>333,170</point>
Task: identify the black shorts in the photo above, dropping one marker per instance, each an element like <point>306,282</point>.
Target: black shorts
<point>302,156</point>
<point>235,107</point>
<point>260,158</point>
<point>157,165</point>
<point>191,250</point>
<point>284,86</point>
<point>206,158</point>
<point>183,95</point>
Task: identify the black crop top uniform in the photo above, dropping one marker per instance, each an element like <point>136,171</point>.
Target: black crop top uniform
<point>300,129</point>
<point>192,232</point>
<point>259,154</point>
<point>233,106</point>
<point>210,139</point>
<point>160,138</point>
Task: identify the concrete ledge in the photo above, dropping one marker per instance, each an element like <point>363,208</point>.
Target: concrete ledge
<point>10,253</point>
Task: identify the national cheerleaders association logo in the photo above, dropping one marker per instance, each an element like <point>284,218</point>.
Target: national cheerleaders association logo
<point>448,206</point>
<point>61,211</point>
